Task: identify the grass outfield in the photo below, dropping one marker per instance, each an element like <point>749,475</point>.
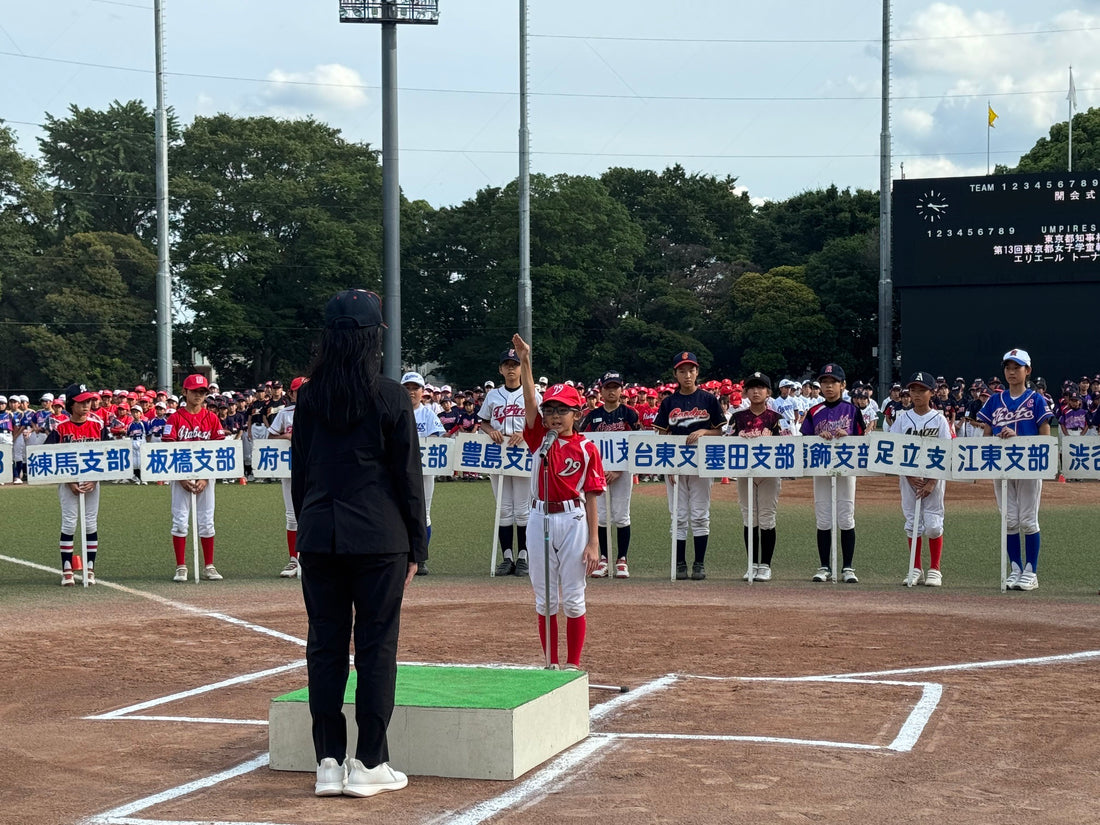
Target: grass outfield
<point>251,541</point>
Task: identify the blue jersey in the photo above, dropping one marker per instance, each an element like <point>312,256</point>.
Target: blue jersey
<point>1022,415</point>
<point>6,419</point>
<point>136,430</point>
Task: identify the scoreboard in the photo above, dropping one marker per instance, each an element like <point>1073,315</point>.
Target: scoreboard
<point>997,229</point>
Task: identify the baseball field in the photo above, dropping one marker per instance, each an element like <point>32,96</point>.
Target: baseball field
<point>144,701</point>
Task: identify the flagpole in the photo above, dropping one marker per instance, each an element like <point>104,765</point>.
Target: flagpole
<point>1069,104</point>
<point>988,130</point>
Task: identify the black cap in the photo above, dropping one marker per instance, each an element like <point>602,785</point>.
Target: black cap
<point>353,308</point>
<point>757,379</point>
<point>509,355</point>
<point>925,379</point>
<point>611,378</point>
<point>831,371</point>
<point>79,392</point>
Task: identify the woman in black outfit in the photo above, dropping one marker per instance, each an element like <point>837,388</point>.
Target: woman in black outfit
<point>358,495</point>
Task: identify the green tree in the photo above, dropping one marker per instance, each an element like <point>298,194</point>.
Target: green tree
<point>274,216</point>
<point>104,163</point>
<point>1051,154</point>
<point>90,311</point>
<point>787,233</point>
<point>844,275</point>
<point>778,325</point>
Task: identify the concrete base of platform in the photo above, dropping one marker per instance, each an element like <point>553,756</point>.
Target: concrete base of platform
<point>464,738</point>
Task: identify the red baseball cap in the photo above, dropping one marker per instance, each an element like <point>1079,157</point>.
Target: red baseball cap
<point>296,383</point>
<point>563,394</point>
<point>196,382</point>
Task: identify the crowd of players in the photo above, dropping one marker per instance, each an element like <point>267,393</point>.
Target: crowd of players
<point>140,414</point>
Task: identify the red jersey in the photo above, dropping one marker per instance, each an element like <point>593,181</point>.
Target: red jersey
<point>646,414</point>
<point>201,426</point>
<point>575,465</point>
<point>69,433</point>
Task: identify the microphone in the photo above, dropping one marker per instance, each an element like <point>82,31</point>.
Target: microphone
<point>550,438</point>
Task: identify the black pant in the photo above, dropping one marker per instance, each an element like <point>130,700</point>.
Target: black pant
<point>335,585</point>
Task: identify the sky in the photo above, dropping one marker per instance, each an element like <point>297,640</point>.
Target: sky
<point>784,96</point>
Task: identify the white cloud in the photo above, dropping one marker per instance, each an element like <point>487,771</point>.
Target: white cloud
<point>916,121</point>
<point>324,88</point>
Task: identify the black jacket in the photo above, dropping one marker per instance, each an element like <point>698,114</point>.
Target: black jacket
<point>360,490</point>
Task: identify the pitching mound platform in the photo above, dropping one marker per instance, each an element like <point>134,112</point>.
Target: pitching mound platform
<point>465,722</point>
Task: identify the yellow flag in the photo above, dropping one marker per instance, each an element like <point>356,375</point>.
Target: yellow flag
<point>992,117</point>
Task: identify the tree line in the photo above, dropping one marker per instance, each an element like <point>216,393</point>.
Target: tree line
<point>270,217</point>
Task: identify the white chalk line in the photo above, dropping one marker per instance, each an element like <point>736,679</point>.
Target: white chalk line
<point>205,720</point>
<point>1062,658</point>
<point>720,737</point>
<point>182,606</point>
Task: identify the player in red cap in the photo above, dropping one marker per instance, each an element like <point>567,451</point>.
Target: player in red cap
<point>193,422</point>
<point>565,481</point>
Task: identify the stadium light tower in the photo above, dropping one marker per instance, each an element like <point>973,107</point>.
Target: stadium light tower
<point>389,13</point>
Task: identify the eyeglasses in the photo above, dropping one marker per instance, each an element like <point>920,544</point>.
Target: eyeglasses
<point>556,410</point>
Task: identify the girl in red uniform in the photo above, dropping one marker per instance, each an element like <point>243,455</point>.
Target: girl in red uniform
<point>79,427</point>
<point>575,479</point>
<point>193,422</point>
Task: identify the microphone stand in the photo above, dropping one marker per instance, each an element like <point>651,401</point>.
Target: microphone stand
<point>546,546</point>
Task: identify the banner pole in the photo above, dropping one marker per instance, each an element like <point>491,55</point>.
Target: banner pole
<point>750,543</point>
<point>195,532</point>
<point>496,523</point>
<point>913,539</point>
<point>1004,534</point>
<point>833,532</point>
<point>675,522</point>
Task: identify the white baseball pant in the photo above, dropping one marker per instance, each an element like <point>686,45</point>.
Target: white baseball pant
<point>70,509</point>
<point>135,454</point>
<point>931,510</point>
<point>1022,506</point>
<point>693,504</point>
<point>568,536</point>
<point>619,492</point>
<point>764,504</point>
<point>181,510</point>
<point>19,449</point>
<point>246,445</point>
<point>845,502</point>
<point>515,504</point>
<point>291,521</point>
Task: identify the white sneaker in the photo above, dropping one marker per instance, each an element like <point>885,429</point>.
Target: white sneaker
<point>89,575</point>
<point>755,573</point>
<point>601,569</point>
<point>1013,576</point>
<point>363,782</point>
<point>291,569</point>
<point>67,578</point>
<point>848,576</point>
<point>915,577</point>
<point>331,776</point>
<point>1028,581</point>
<point>211,574</point>
<point>622,571</point>
<point>933,578</point>
<point>763,573</point>
<point>181,574</point>
<point>822,574</point>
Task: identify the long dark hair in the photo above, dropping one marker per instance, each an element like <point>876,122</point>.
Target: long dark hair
<point>343,379</point>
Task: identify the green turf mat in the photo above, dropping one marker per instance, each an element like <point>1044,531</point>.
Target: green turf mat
<point>427,686</point>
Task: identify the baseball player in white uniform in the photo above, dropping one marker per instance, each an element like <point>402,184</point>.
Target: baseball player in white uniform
<point>282,425</point>
<point>428,425</point>
<point>502,419</point>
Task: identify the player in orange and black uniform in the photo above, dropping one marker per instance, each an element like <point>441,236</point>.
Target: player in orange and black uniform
<point>79,427</point>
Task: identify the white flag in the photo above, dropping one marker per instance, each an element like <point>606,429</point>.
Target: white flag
<point>1072,96</point>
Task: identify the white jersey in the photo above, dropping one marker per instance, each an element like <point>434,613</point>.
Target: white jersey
<point>427,422</point>
<point>503,409</point>
<point>932,423</point>
<point>788,409</point>
<point>283,422</point>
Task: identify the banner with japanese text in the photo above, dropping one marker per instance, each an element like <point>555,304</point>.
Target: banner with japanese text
<point>1081,457</point>
<point>192,460</point>
<point>614,449</point>
<point>767,456</point>
<point>476,453</point>
<point>80,461</point>
<point>1012,458</point>
<point>910,455</point>
<point>271,458</point>
<point>5,464</point>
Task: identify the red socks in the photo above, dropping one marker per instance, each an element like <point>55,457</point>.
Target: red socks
<point>574,638</point>
<point>553,637</point>
<point>916,556</point>
<point>207,543</point>
<point>179,544</point>
<point>935,550</point>
<point>291,541</point>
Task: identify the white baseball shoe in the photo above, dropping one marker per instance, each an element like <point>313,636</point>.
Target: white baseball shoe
<point>601,569</point>
<point>181,574</point>
<point>331,776</point>
<point>211,574</point>
<point>363,781</point>
<point>933,578</point>
<point>67,578</point>
<point>291,571</point>
<point>915,577</point>
<point>848,576</point>
<point>1013,577</point>
<point>763,573</point>
<point>822,574</point>
<point>1028,580</point>
<point>622,571</point>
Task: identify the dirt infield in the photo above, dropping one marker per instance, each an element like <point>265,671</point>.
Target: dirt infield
<point>1016,742</point>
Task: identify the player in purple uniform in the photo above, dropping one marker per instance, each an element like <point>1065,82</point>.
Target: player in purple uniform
<point>1074,420</point>
<point>692,412</point>
<point>834,418</point>
<point>1012,412</point>
<point>613,416</point>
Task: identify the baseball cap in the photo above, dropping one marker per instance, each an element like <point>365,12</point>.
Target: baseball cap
<point>46,396</point>
<point>757,379</point>
<point>544,380</point>
<point>3,399</point>
<point>161,405</point>
<point>59,401</point>
<point>196,382</point>
<point>1018,356</point>
<point>923,378</point>
<point>611,378</point>
<point>354,309</point>
<point>831,371</point>
<point>79,392</point>
<point>563,394</point>
<point>489,385</point>
<point>509,355</point>
<point>413,378</point>
<point>684,358</point>
<point>275,385</point>
<point>297,383</point>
